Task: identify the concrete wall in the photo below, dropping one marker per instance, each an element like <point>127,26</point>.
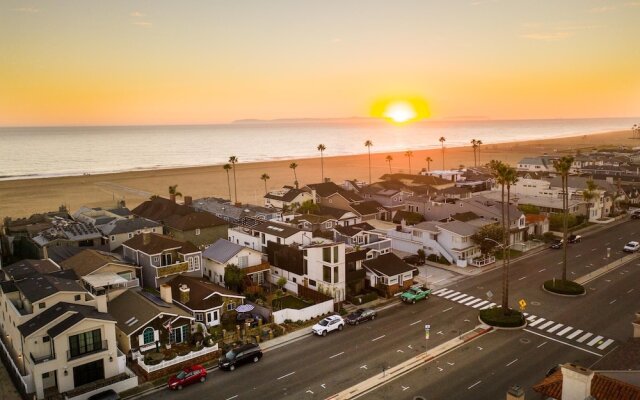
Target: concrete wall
<point>303,314</point>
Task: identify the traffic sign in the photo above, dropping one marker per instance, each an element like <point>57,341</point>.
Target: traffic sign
<point>489,295</point>
<point>427,327</point>
<point>522,303</point>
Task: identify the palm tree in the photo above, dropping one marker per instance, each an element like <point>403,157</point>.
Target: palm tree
<point>510,178</point>
<point>409,154</point>
<point>321,149</point>
<point>265,177</point>
<point>173,191</point>
<point>389,159</point>
<point>562,166</point>
<point>479,143</point>
<point>233,160</point>
<point>227,167</point>
<point>474,145</point>
<point>442,140</point>
<point>369,143</point>
<point>293,166</point>
<point>428,160</point>
<point>498,169</point>
<point>589,194</point>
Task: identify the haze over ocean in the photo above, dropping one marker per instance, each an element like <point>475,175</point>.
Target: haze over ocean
<point>59,151</point>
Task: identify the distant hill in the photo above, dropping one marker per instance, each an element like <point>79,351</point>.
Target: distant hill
<point>307,120</point>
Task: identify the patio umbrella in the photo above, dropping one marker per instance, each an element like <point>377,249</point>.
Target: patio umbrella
<point>244,308</point>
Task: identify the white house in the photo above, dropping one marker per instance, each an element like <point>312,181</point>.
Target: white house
<point>119,231</point>
<point>257,237</point>
<point>223,252</point>
<point>288,197</point>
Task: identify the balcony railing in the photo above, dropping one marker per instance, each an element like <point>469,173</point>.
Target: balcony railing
<point>172,269</point>
<point>97,348</point>
<point>41,359</point>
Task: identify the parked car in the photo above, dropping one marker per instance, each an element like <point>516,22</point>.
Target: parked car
<point>556,244</point>
<point>631,247</point>
<point>240,355</point>
<point>189,375</point>
<point>415,293</point>
<point>108,394</point>
<point>574,239</point>
<point>635,214</point>
<point>361,315</point>
<point>413,259</point>
<point>328,324</point>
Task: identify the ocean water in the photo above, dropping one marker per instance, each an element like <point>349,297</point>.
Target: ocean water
<point>59,151</point>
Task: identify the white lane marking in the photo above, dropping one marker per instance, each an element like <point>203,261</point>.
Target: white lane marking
<point>465,298</point>
<point>605,344</point>
<point>440,369</point>
<point>447,309</point>
<point>363,366</point>
<point>429,276</point>
<point>439,291</point>
<point>451,295</point>
<point>584,337</point>
<point>511,362</point>
<point>309,391</point>
<point>440,280</point>
<point>450,363</point>
<point>445,292</point>
<point>488,306</point>
<point>480,304</point>
<point>579,255</point>
<point>565,330</point>
<point>531,318</point>
<point>546,325</point>
<point>560,263</point>
<point>399,351</point>
<point>472,302</point>
<point>378,338</point>
<point>439,333</point>
<point>630,290</point>
<point>336,355</point>
<point>612,301</point>
<point>417,322</point>
<point>232,397</point>
<point>289,374</point>
<point>555,328</point>
<point>560,341</point>
<point>542,344</point>
<point>459,297</point>
<point>479,348</point>
<point>405,387</point>
<point>574,334</point>
<point>525,314</point>
<point>536,322</point>
<point>522,278</point>
<point>477,383</point>
<point>595,340</point>
<point>543,269</point>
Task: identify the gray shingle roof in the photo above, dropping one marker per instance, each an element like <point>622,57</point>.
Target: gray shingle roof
<point>49,315</point>
<point>21,269</point>
<point>388,264</point>
<point>279,230</point>
<point>128,225</point>
<point>222,251</point>
<point>458,227</point>
<point>37,287</point>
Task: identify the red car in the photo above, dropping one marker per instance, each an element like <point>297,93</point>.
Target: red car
<point>189,375</point>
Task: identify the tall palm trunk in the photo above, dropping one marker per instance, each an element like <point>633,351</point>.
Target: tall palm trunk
<point>565,212</point>
<point>508,243</point>
<point>229,185</point>
<point>235,186</point>
<point>322,165</point>
<point>505,272</point>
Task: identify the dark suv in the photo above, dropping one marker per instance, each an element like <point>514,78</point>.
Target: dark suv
<point>240,355</point>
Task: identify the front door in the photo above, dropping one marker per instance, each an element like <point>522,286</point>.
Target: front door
<point>87,373</point>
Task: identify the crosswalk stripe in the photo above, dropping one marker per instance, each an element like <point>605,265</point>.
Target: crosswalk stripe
<point>574,334</point>
<point>555,328</point>
<point>584,337</point>
<point>459,297</point>
<point>480,304</point>
<point>525,314</point>
<point>546,324</point>
<point>605,344</point>
<point>488,306</point>
<point>451,295</point>
<point>439,291</point>
<point>445,292</point>
<point>472,302</point>
<point>465,298</point>
<point>531,318</point>
<point>595,340</point>
<point>537,322</point>
<point>565,330</point>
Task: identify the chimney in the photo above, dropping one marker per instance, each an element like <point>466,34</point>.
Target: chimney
<point>515,392</point>
<point>172,197</point>
<point>576,382</point>
<point>101,301</point>
<point>184,294</point>
<point>636,326</point>
<point>146,238</point>
<point>165,293</point>
<point>188,200</point>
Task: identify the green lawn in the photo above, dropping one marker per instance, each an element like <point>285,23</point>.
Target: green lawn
<point>289,302</point>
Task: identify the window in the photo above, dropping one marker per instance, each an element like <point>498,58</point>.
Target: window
<point>199,317</point>
<point>231,306</point>
<point>87,342</point>
<point>305,267</point>
<point>335,274</point>
<point>113,238</point>
<point>77,297</point>
<point>148,335</point>
<point>42,305</point>
<point>335,254</point>
<point>130,235</point>
<point>243,261</point>
<point>46,339</point>
<point>312,282</point>
<point>197,231</point>
<point>326,254</point>
<point>326,273</point>
<point>166,259</point>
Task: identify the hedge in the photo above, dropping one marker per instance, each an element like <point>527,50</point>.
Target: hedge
<point>564,287</point>
<point>495,317</point>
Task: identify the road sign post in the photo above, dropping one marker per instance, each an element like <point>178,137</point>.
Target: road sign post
<point>427,328</point>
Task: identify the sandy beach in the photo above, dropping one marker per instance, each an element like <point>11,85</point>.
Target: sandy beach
<point>20,198</point>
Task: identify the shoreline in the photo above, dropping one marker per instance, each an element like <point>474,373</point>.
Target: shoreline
<point>23,197</point>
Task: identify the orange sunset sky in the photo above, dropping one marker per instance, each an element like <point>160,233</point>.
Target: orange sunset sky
<point>192,62</point>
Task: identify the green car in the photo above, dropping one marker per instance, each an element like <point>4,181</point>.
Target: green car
<point>415,293</point>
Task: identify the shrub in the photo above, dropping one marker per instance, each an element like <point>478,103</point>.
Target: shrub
<point>564,287</point>
<point>184,352</point>
<point>496,317</point>
<point>170,356</point>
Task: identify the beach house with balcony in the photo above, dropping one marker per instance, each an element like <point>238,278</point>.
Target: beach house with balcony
<point>57,336</point>
<point>287,197</point>
<point>363,236</point>
<point>161,257</point>
<point>223,252</point>
<point>256,237</point>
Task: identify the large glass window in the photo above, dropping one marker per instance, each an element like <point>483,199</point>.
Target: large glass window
<point>326,273</point>
<point>84,343</point>
<point>335,274</point>
<point>326,254</point>
<point>148,336</point>
<point>335,254</point>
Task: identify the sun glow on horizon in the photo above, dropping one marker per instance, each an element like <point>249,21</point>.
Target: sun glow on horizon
<point>400,111</point>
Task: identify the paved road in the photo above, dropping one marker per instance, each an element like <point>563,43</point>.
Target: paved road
<point>316,367</point>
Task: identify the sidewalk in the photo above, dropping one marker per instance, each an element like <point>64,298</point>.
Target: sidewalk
<point>7,390</point>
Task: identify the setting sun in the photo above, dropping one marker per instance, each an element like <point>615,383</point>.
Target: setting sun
<point>400,112</point>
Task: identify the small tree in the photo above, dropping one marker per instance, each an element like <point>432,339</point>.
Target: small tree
<point>233,277</point>
<point>281,282</point>
<point>495,232</point>
<point>421,255</point>
<point>308,207</point>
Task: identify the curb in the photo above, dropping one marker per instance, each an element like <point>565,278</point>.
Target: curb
<point>504,328</point>
<point>565,295</point>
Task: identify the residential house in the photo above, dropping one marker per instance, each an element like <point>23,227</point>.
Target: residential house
<point>601,205</point>
<point>537,224</point>
<point>58,336</point>
<point>418,183</point>
<point>391,199</point>
<point>98,216</point>
<point>203,300</point>
<point>331,195</point>
<point>257,237</point>
<point>452,175</point>
<point>102,272</point>
<point>313,222</point>
<point>536,164</point>
<point>370,209</point>
<point>183,222</point>
<point>287,198</point>
<point>118,231</point>
<point>343,217</point>
<point>355,273</point>
<point>24,268</point>
<point>145,321</point>
<point>161,257</point>
<point>239,214</point>
<point>223,252</point>
<point>363,236</point>
<point>319,265</point>
<point>388,273</point>
<point>65,233</point>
